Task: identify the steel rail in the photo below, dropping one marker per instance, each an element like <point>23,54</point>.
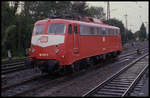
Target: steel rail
<point>133,84</point>
<point>109,79</point>
<point>20,83</point>
<point>13,68</point>
<point>13,61</point>
<point>133,52</point>
<point>11,64</point>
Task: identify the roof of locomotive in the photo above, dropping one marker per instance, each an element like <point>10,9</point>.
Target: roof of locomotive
<point>75,21</point>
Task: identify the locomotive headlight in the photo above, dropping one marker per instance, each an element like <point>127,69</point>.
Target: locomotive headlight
<point>57,50</point>
<point>33,50</point>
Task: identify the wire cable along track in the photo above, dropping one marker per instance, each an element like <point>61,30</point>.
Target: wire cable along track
<point>123,82</point>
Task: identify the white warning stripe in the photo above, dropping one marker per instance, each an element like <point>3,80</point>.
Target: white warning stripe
<point>52,40</point>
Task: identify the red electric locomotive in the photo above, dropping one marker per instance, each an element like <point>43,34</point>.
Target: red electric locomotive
<point>60,43</point>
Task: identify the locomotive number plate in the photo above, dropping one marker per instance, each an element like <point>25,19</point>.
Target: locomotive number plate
<point>43,54</point>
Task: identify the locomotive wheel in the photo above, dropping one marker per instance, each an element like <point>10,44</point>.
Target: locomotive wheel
<point>94,60</point>
<point>61,71</point>
<point>44,69</point>
<point>75,67</point>
<point>29,64</point>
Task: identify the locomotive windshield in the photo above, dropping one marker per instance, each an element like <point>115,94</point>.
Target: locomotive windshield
<point>57,28</point>
<point>38,29</point>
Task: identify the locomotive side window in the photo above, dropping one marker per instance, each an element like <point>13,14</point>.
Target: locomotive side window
<point>57,28</point>
<point>118,32</point>
<point>91,30</point>
<point>115,32</point>
<point>87,30</point>
<point>100,31</point>
<point>103,31</point>
<point>81,29</point>
<point>112,31</point>
<point>84,30</point>
<point>97,29</point>
<point>70,29</point>
<point>38,29</point>
<point>107,32</point>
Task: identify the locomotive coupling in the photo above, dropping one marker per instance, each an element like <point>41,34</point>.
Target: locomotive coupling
<point>29,62</point>
<point>48,66</point>
<point>52,65</point>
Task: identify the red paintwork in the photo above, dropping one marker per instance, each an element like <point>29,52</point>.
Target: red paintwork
<point>85,46</point>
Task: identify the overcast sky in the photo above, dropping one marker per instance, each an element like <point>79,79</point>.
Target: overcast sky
<point>137,12</point>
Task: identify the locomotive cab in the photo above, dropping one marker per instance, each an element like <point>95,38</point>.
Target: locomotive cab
<point>47,44</point>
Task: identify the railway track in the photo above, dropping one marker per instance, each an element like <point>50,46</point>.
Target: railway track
<point>133,52</point>
<point>36,87</point>
<point>13,61</point>
<point>19,64</point>
<point>12,66</point>
<point>36,77</point>
<point>122,83</point>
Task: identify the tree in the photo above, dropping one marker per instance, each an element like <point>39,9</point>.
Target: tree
<point>79,8</point>
<point>142,33</point>
<point>130,35</point>
<point>8,26</point>
<point>136,35</point>
<point>63,7</point>
<point>117,23</point>
<point>96,12</point>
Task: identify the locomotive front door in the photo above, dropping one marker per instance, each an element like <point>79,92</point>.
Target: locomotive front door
<point>76,40</point>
